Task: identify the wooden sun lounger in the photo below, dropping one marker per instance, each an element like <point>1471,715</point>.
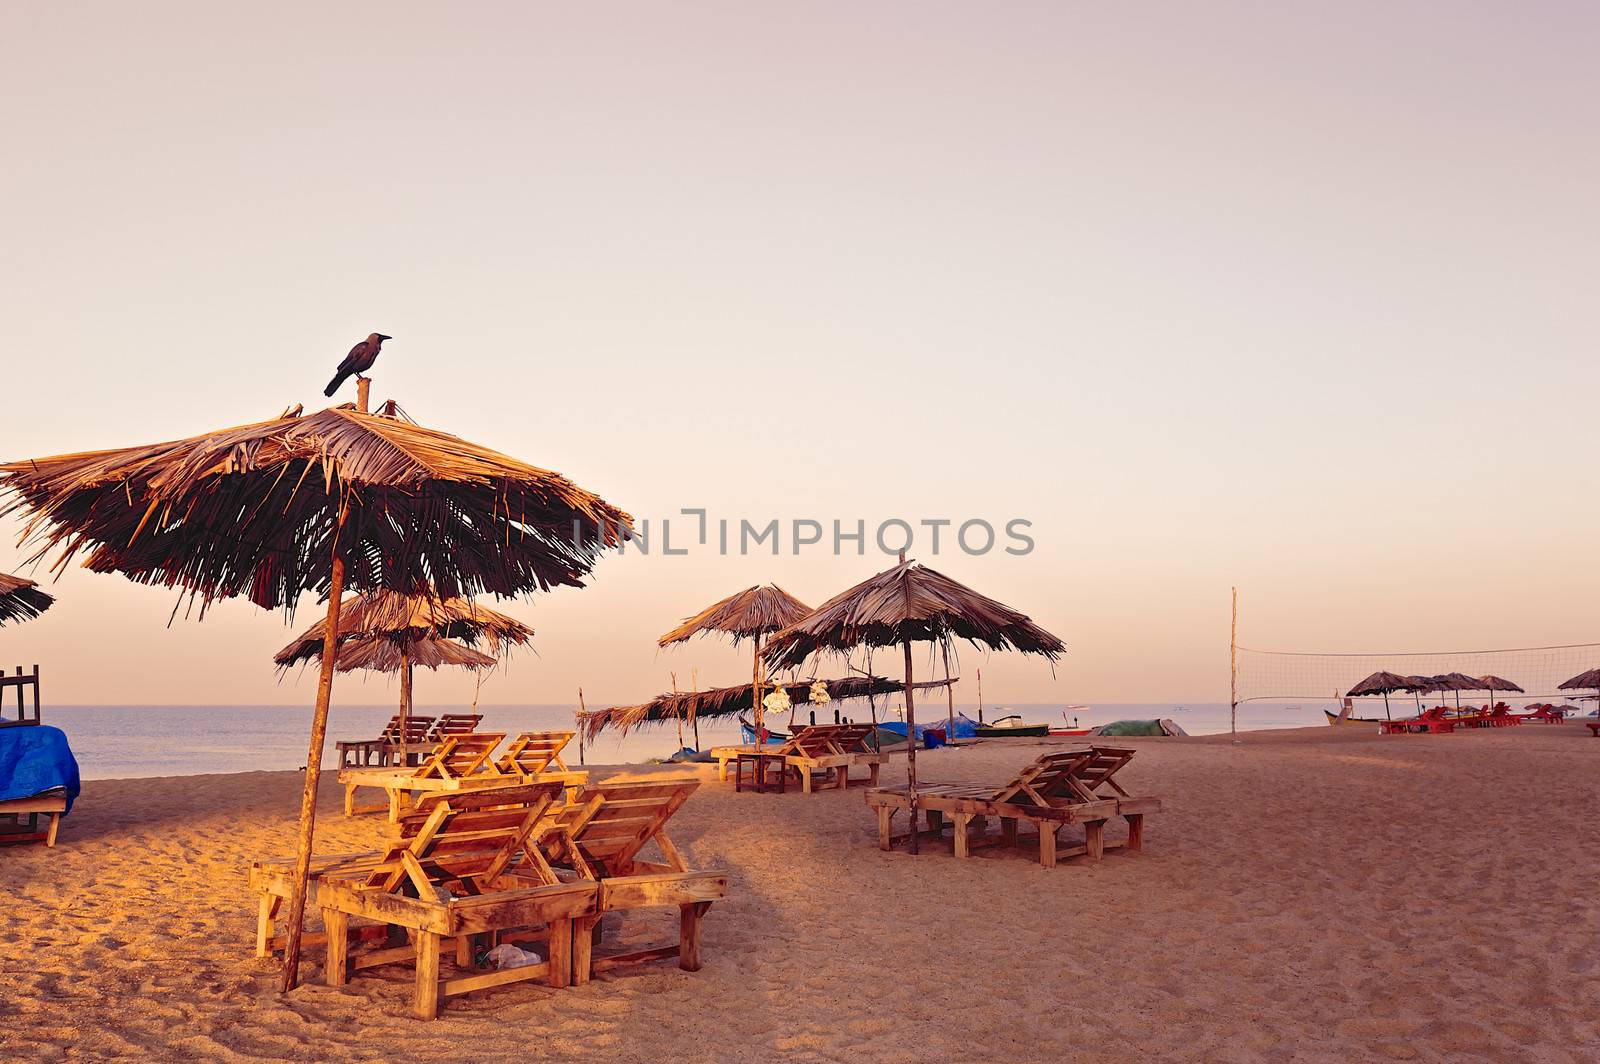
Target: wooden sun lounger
<point>455,724</point>
<point>604,833</point>
<point>368,753</point>
<point>1057,789</point>
<point>459,762</point>
<point>825,750</point>
<point>535,757</point>
<point>52,804</point>
<point>464,867</point>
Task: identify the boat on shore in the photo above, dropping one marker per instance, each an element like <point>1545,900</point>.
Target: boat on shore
<point>1334,718</point>
<point>1011,726</point>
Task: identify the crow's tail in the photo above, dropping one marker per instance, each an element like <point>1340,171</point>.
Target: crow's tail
<point>333,385</point>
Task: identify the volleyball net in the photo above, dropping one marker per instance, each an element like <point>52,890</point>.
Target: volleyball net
<point>1284,676</point>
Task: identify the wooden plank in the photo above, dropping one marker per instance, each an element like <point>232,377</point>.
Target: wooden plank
<point>466,984</point>
<point>425,996</point>
<point>674,888</point>
<point>658,953</point>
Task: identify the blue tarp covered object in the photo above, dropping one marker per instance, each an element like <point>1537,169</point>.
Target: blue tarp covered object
<point>35,759</point>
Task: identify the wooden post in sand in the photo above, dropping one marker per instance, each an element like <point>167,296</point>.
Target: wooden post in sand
<point>755,691</point>
<point>950,694</point>
<point>405,699</point>
<point>980,696</point>
<point>1233,671</point>
<point>911,748</point>
<point>319,733</point>
<point>581,711</point>
<point>694,682</point>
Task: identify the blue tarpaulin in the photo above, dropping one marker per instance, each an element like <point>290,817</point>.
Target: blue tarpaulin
<point>35,759</point>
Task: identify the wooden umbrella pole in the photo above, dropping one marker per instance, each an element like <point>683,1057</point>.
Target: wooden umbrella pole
<point>405,700</point>
<point>582,728</point>
<point>980,696</point>
<point>950,695</point>
<point>319,733</point>
<point>911,748</point>
<point>755,691</point>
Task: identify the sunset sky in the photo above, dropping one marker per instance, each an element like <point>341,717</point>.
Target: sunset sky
<point>1212,294</point>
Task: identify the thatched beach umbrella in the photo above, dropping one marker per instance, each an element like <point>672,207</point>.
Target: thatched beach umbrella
<point>748,614</point>
<point>404,621</point>
<point>334,499</point>
<point>1458,682</point>
<point>1583,681</point>
<point>21,599</point>
<point>385,655</point>
<point>1382,683</point>
<point>1493,683</point>
<point>909,603</point>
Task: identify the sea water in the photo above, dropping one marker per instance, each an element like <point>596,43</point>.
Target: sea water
<point>114,742</point>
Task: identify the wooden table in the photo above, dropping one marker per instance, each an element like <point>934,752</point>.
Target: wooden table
<point>759,763</point>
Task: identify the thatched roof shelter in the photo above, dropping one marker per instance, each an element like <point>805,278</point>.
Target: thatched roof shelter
<point>409,619</point>
<point>384,655</point>
<point>908,603</point>
<point>425,511</point>
<point>750,613</point>
<point>21,599</point>
<point>689,706</point>
<point>340,497</point>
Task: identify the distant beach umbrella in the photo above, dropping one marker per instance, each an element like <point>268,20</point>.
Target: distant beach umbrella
<point>748,614</point>
<point>908,603</point>
<point>1458,682</point>
<point>1382,683</point>
<point>385,655</point>
<point>340,498</point>
<point>21,599</point>
<point>404,621</point>
<point>1493,683</point>
<point>1582,681</point>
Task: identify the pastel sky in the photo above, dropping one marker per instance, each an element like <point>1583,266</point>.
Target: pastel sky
<point>1295,297</point>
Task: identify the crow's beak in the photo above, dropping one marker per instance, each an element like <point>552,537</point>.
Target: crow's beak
<point>383,337</point>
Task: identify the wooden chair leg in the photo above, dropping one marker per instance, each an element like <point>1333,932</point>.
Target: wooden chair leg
<point>349,799</point>
<point>583,949</point>
<point>689,934</point>
<point>426,997</point>
<point>1047,844</point>
<point>337,968</point>
<point>464,951</point>
<point>265,912</point>
<point>962,821</point>
<point>885,821</point>
<point>805,780</point>
<point>1135,832</point>
<point>1008,830</point>
<point>1094,837</point>
<point>55,822</point>
<point>560,950</point>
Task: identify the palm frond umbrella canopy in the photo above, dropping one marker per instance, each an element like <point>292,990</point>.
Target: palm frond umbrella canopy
<point>21,599</point>
<point>340,498</point>
<point>1382,683</point>
<point>909,603</point>
<point>404,621</point>
<point>1493,683</point>
<point>1458,682</point>
<point>1583,681</point>
<point>376,654</point>
<point>691,706</point>
<point>748,614</point>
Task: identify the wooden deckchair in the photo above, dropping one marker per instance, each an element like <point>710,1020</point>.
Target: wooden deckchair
<point>455,724</point>
<point>449,875</point>
<point>601,835</point>
<point>367,753</point>
<point>1055,790</point>
<point>535,757</point>
<point>826,751</point>
<point>458,762</point>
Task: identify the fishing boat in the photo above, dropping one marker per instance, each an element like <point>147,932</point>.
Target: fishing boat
<point>1074,712</point>
<point>1333,718</point>
<point>1011,726</point>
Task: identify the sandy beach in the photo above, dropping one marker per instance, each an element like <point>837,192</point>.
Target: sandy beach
<point>1309,895</point>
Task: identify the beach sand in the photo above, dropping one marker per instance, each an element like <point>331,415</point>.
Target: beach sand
<point>1310,895</point>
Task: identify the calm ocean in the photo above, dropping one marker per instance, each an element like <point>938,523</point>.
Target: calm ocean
<point>113,742</point>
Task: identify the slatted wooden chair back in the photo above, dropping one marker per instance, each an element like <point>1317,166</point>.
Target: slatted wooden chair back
<point>1050,780</point>
<point>416,729</point>
<point>455,724</point>
<point>820,740</point>
<point>1106,763</point>
<point>460,756</point>
<point>532,753</point>
<point>611,822</point>
<point>467,839</point>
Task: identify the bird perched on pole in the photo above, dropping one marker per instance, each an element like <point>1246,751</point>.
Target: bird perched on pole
<point>358,361</point>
